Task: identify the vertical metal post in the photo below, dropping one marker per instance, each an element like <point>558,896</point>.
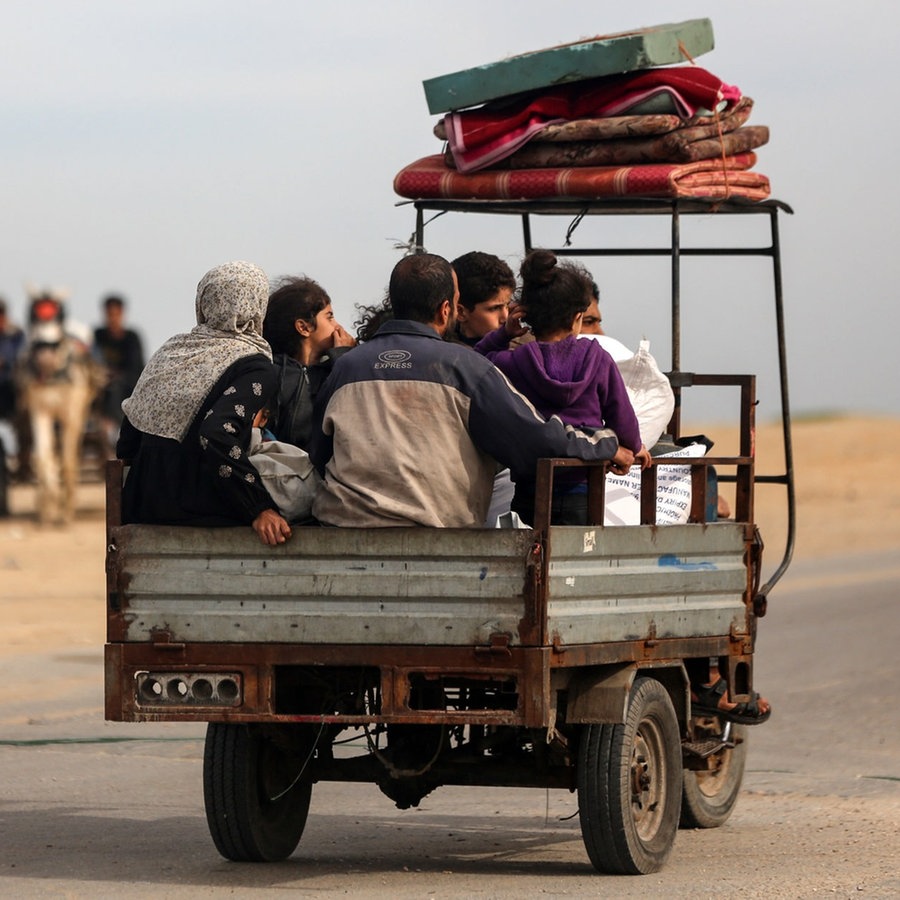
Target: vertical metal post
<point>596,494</point>
<point>648,496</point>
<point>543,494</point>
<point>785,406</point>
<point>526,232</point>
<point>676,314</point>
<point>745,476</point>
<point>420,231</point>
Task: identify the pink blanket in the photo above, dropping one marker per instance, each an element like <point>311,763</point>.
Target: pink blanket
<point>481,137</point>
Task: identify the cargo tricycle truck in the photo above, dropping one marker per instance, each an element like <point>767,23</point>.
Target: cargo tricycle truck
<point>554,657</point>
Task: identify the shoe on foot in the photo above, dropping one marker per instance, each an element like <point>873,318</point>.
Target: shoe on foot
<point>711,700</point>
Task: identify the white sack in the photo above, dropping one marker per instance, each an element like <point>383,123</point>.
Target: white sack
<point>287,474</point>
<point>648,388</point>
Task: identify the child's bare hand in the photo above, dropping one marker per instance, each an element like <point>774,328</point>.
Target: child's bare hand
<point>643,458</point>
<point>342,338</point>
<point>514,326</point>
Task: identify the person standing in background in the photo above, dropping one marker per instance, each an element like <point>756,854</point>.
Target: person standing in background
<point>12,338</point>
<point>120,351</point>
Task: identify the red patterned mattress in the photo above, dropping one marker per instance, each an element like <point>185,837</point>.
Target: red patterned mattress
<point>430,178</point>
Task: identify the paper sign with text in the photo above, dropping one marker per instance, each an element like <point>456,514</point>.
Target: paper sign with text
<point>673,492</point>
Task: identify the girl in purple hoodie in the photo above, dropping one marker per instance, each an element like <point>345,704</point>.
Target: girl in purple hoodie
<point>578,381</point>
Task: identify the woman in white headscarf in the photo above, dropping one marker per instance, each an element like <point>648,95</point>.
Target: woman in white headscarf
<point>188,424</point>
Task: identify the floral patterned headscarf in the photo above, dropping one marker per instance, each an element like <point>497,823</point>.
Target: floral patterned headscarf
<point>230,307</point>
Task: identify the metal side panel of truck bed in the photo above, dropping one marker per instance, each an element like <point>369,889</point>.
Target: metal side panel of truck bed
<point>446,587</point>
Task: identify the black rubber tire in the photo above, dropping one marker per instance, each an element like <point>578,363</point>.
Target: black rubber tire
<point>243,770</point>
<point>709,797</point>
<point>629,784</point>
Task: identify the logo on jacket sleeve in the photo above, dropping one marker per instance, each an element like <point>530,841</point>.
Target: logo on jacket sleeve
<point>394,359</point>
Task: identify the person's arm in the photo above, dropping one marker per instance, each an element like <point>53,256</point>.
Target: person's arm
<point>494,342</point>
<point>504,424</point>
<point>224,437</point>
<point>618,413</point>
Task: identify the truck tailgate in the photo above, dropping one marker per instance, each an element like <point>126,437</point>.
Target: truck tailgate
<point>326,586</point>
<point>636,582</point>
<point>410,586</point>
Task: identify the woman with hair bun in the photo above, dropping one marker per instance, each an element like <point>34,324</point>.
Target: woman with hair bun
<point>578,381</point>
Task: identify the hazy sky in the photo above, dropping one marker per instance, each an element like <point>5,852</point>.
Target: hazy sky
<point>144,143</point>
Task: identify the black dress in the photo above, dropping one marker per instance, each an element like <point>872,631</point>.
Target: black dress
<point>206,478</point>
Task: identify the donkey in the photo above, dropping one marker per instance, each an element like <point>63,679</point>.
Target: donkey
<point>57,382</point>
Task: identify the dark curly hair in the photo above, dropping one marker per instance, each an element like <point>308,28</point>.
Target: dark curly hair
<point>371,318</point>
<point>583,270</point>
<point>296,297</point>
<point>553,292</point>
<point>480,276</point>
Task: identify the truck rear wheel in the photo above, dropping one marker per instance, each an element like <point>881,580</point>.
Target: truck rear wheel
<point>256,798</point>
<point>709,796</point>
<point>629,784</point>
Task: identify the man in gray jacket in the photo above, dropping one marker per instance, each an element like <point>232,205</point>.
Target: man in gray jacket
<point>409,428</point>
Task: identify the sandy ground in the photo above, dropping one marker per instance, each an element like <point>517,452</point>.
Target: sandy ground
<point>51,578</point>
<point>848,499</point>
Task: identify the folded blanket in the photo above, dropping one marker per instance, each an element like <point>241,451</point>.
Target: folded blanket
<point>667,148</point>
<point>481,137</point>
<point>594,129</point>
<point>614,127</point>
<point>430,178</point>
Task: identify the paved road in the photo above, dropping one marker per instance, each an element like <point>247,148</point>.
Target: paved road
<point>93,809</point>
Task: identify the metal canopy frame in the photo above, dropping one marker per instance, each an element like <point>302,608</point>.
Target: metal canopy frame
<point>675,209</point>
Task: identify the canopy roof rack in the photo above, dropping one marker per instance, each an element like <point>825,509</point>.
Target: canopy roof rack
<point>675,208</point>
